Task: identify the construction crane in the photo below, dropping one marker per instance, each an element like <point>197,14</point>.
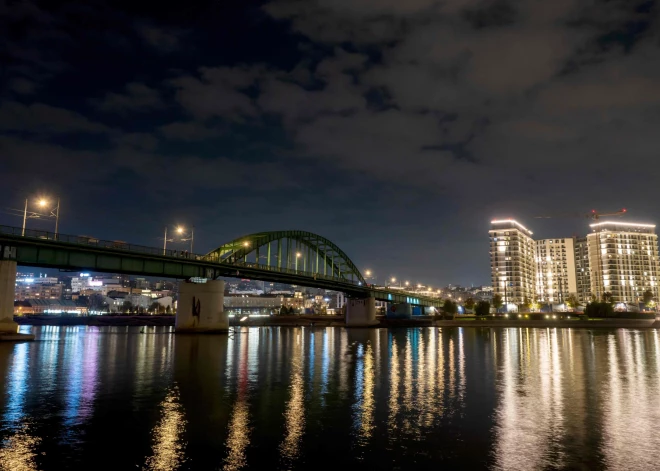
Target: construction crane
<point>595,215</point>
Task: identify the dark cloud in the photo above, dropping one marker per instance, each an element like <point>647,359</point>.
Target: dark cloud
<point>40,118</point>
<point>404,124</point>
<point>161,39</point>
<point>137,97</point>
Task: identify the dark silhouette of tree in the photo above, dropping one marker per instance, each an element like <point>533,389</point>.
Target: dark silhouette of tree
<point>647,297</point>
<point>497,301</point>
<point>469,303</point>
<point>482,308</point>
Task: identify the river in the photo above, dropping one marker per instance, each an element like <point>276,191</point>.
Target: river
<point>117,398</point>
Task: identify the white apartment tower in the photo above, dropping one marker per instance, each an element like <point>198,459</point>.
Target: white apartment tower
<point>512,261</point>
<point>555,270</point>
<point>624,260</point>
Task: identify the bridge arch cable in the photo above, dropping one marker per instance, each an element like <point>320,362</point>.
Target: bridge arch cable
<point>302,252</point>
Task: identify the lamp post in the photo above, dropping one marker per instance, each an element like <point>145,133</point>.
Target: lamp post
<point>187,237</point>
<point>298,255</point>
<point>165,242</point>
<point>42,203</point>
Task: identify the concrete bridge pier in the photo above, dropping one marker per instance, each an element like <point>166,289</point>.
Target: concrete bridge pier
<point>200,308</point>
<point>361,312</point>
<point>7,289</point>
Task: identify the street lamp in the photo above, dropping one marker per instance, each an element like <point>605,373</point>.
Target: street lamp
<point>407,284</point>
<point>43,203</point>
<point>298,255</point>
<point>368,273</point>
<point>187,237</point>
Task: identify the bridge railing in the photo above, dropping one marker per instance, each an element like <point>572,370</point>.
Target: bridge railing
<point>91,242</point>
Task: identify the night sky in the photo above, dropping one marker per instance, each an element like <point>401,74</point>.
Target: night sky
<point>397,129</point>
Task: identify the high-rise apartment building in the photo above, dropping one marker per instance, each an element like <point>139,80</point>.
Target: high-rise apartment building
<point>555,270</point>
<point>616,257</point>
<point>582,270</point>
<point>512,261</point>
<point>623,258</point>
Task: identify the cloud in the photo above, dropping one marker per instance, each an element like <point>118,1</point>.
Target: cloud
<point>188,131</point>
<point>218,92</point>
<point>159,38</point>
<point>138,97</point>
<point>140,141</point>
<point>22,86</point>
<point>45,119</point>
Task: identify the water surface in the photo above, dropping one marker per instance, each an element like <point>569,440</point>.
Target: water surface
<point>320,398</point>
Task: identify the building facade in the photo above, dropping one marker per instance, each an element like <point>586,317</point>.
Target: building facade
<point>555,270</point>
<point>582,270</point>
<point>624,260</point>
<point>512,263</point>
<point>616,257</point>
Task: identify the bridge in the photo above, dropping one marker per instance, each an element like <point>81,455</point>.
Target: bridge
<point>292,257</point>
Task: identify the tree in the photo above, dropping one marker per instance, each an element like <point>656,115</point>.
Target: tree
<point>647,297</point>
<point>572,301</point>
<point>482,308</point>
<point>599,310</point>
<point>607,297</point>
<point>450,307</point>
<point>497,301</point>
<point>168,310</point>
<point>126,306</point>
<point>155,307</point>
<point>469,303</point>
<point>525,304</point>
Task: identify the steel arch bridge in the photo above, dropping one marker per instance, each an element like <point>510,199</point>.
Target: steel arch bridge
<point>298,252</point>
<point>292,257</point>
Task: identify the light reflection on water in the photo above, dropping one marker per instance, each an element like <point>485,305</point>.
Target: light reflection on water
<point>299,398</point>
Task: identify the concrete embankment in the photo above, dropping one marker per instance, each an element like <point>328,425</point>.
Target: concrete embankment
<point>338,321</point>
<point>576,324</point>
<point>96,320</point>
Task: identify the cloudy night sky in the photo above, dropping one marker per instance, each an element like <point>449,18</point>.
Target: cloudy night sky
<point>397,129</point>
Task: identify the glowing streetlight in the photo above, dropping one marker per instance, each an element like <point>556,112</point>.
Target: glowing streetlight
<point>43,203</point>
<point>187,237</point>
<point>368,273</point>
<point>298,255</point>
<point>407,283</point>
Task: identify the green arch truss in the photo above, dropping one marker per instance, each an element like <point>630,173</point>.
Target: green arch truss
<point>297,252</point>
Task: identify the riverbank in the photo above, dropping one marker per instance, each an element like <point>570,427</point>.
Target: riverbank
<point>117,321</point>
<point>338,321</point>
<point>575,324</point>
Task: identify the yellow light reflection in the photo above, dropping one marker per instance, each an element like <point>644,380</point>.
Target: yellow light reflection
<point>168,447</point>
<point>17,452</point>
<point>295,409</point>
<point>239,436</point>
<point>394,391</point>
<point>367,415</point>
<point>239,424</point>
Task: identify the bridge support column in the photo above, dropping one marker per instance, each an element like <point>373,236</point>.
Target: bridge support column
<point>7,290</point>
<point>200,308</point>
<point>361,312</point>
